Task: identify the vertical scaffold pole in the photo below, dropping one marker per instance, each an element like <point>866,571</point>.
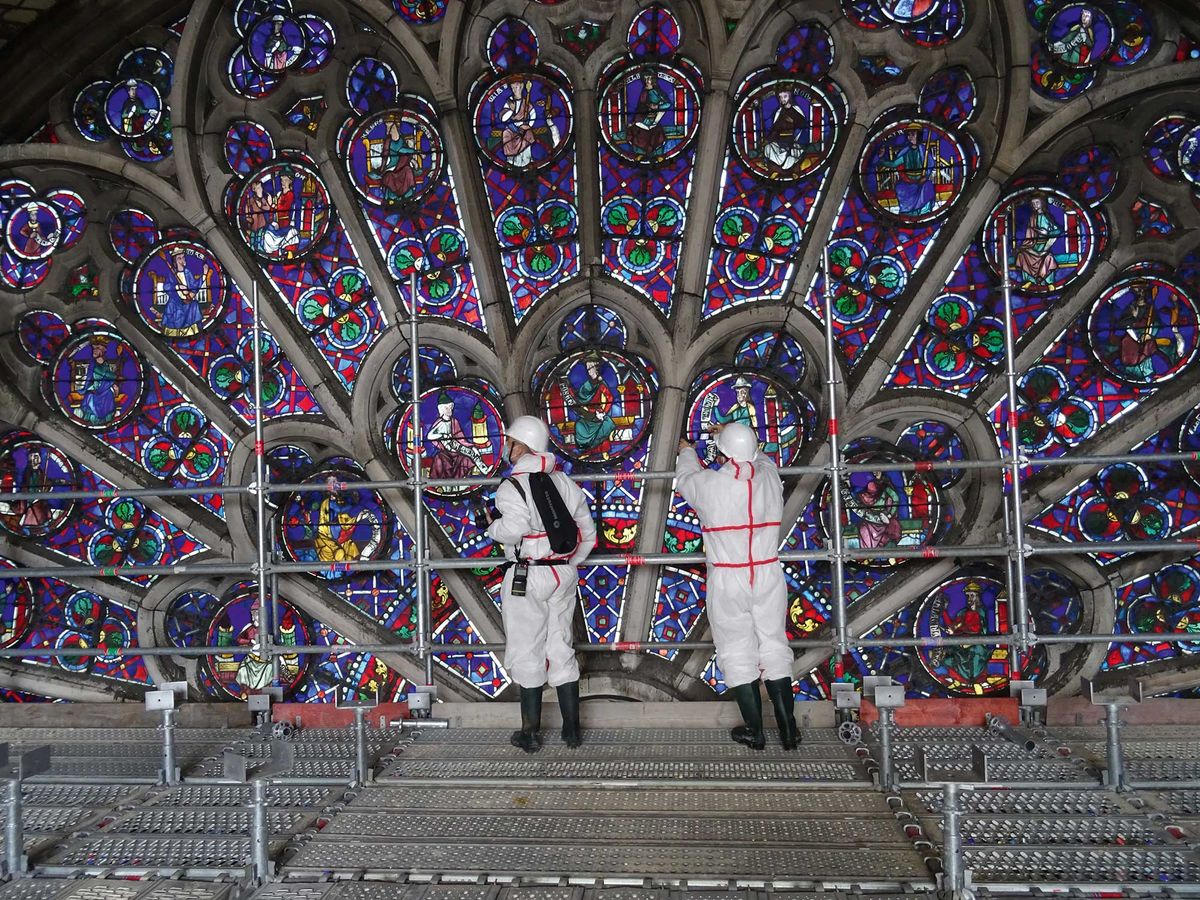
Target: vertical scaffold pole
<point>260,838</point>
<point>1019,626</point>
<point>14,834</point>
<point>952,870</point>
<point>263,645</point>
<point>420,553</point>
<point>841,639</point>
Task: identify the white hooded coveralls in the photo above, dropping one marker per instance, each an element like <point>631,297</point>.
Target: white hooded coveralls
<point>537,627</point>
<point>740,507</point>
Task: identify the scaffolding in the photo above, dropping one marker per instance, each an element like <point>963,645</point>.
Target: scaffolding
<point>1021,634</point>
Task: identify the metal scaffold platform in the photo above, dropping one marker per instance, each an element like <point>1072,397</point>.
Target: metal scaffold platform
<point>677,813</point>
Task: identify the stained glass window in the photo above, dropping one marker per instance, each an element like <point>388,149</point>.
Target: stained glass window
<point>670,279</point>
<point>396,161</point>
<point>649,117</point>
<point>911,173</point>
<point>785,127</point>
<point>523,119</point>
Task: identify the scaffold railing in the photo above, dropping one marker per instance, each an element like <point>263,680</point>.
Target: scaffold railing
<point>1016,549</point>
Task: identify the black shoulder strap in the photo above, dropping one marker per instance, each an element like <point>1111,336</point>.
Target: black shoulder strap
<point>512,479</point>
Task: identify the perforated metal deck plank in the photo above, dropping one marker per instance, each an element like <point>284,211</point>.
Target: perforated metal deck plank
<point>670,861</point>
<point>1086,865</point>
<point>1103,831</point>
<point>1031,802</point>
<point>52,819</point>
<point>100,889</point>
<point>534,767</point>
<point>213,795</point>
<point>99,796</point>
<point>157,851</point>
<point>553,749</point>
<point>35,735</point>
<point>598,828</point>
<point>680,738</point>
<point>215,821</point>
<point>655,800</point>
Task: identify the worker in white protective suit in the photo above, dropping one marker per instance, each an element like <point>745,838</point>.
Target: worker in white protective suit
<point>740,506</point>
<point>537,619</point>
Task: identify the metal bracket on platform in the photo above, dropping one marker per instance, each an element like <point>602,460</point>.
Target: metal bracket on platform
<point>28,764</point>
<point>1032,700</point>
<point>1114,772</point>
<point>362,773</point>
<point>164,700</point>
<point>888,697</point>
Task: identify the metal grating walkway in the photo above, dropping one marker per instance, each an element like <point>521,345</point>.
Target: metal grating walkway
<point>635,814</point>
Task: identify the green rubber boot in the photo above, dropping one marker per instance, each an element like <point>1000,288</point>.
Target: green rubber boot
<point>750,703</point>
<point>568,704</point>
<point>784,703</point>
<point>528,737</point>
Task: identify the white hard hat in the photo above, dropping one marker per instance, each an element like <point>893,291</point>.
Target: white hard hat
<point>530,431</point>
<point>738,442</point>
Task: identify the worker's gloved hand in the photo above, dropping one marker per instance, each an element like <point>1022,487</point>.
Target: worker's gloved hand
<point>685,444</point>
<point>482,513</point>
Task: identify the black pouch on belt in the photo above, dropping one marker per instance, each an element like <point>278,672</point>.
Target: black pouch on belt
<point>520,580</point>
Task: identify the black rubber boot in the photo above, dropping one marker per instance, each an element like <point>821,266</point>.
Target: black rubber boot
<point>784,703</point>
<point>528,738</point>
<point>750,703</point>
<point>568,704</point>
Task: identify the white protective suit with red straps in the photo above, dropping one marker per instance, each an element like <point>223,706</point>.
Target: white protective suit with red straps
<point>740,506</point>
<point>537,627</point>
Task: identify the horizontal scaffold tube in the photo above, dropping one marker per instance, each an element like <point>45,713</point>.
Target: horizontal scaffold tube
<point>411,649</point>
<point>936,551</point>
<point>394,484</point>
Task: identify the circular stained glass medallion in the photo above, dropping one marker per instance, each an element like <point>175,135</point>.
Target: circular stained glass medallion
<point>598,404</point>
<point>179,289</point>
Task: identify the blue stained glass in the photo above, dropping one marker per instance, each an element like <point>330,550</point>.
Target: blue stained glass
<point>249,81</point>
<point>939,28</point>
<point>962,338</point>
<point>66,617</point>
<point>131,106</point>
<point>1090,172</point>
<point>512,45</point>
<point>769,187</point>
<point>180,289</point>
<point>949,95</point>
<point>1098,370</point>
<point>806,50</point>
<point>649,118</point>
<point>481,670</point>
<point>931,440</point>
<point>106,531</point>
<point>654,33</point>
<point>1163,602</point>
<point>592,326</point>
<point>303,248</point>
<point>98,380</point>
<point>420,12</point>
<point>870,263</point>
<point>1160,149</point>
<point>1150,220</point>
<point>247,146</point>
<point>436,368</point>
<point>131,233</point>
<point>529,174</point>
<point>1133,501</point>
<point>371,86</point>
<point>927,23</point>
<point>775,351</point>
<point>319,39</point>
<point>407,196</point>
